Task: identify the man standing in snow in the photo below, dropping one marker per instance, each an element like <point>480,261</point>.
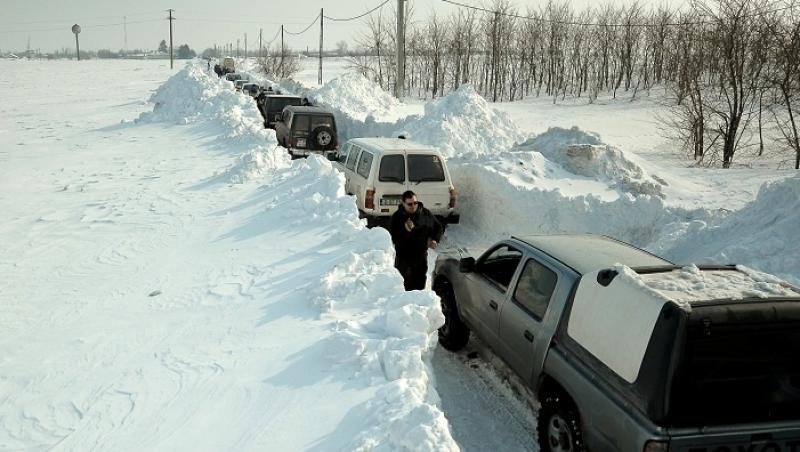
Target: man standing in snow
<point>414,229</point>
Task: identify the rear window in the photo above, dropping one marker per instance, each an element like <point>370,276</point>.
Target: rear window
<point>319,121</point>
<point>364,164</point>
<point>425,168</point>
<point>393,169</point>
<point>279,103</point>
<point>754,362</point>
<point>300,123</point>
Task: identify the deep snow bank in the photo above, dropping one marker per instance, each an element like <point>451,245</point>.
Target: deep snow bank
<point>378,332</point>
<point>191,96</point>
<point>460,124</point>
<point>760,235</point>
<point>521,193</point>
<point>584,154</point>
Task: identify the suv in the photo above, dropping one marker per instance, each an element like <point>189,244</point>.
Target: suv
<point>251,89</point>
<point>271,106</point>
<point>379,170</point>
<point>238,84</point>
<point>307,130</point>
<point>628,352</point>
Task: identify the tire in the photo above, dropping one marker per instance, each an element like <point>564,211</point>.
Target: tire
<point>323,137</point>
<point>559,425</point>
<point>454,334</point>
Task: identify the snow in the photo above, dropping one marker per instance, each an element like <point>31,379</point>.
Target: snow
<point>690,283</point>
<point>171,308</point>
<point>174,281</point>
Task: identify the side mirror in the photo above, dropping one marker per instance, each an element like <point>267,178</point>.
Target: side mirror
<point>466,265</point>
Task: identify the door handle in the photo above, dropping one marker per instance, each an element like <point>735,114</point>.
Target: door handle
<point>493,304</point>
<point>528,336</point>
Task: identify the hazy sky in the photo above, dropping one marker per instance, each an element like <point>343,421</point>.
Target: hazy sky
<point>200,23</point>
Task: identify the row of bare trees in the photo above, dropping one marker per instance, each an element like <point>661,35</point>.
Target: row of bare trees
<point>731,68</point>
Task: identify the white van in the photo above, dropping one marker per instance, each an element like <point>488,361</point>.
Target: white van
<point>378,170</point>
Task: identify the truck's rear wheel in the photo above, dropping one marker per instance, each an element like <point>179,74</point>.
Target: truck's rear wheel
<point>454,334</point>
<point>559,425</point>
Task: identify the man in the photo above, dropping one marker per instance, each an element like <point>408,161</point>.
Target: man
<point>414,229</point>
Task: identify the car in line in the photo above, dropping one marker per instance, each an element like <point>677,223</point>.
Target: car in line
<point>378,170</point>
<point>307,130</point>
<point>623,356</point>
<point>238,84</point>
<point>271,105</point>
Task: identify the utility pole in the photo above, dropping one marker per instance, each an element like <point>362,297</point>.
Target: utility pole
<point>281,49</point>
<point>170,37</point>
<point>321,19</point>
<point>237,47</point>
<point>260,30</point>
<point>125,32</point>
<point>401,51</point>
<point>245,46</point>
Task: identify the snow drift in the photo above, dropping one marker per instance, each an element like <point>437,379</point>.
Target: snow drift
<point>378,331</point>
<point>762,235</point>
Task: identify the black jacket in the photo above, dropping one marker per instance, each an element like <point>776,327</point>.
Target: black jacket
<point>414,244</point>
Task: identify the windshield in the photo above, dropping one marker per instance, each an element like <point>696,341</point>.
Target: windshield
<point>393,169</point>
<point>425,168</point>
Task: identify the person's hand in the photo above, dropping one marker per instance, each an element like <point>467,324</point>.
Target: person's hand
<point>409,225</point>
<point>432,244</point>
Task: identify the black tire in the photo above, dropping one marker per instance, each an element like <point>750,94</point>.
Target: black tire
<point>454,334</point>
<point>559,425</point>
<point>324,138</point>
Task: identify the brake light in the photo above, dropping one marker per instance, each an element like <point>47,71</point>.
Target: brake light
<point>369,199</point>
<point>452,198</point>
<point>289,141</point>
<point>656,446</point>
<point>335,141</point>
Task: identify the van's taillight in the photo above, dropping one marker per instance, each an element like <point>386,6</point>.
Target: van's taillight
<point>289,141</point>
<point>656,446</point>
<point>452,198</point>
<point>369,199</point>
<point>335,141</point>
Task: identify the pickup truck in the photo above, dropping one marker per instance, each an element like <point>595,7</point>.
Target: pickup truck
<point>626,351</point>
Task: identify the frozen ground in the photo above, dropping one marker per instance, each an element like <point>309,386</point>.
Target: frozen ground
<point>174,281</point>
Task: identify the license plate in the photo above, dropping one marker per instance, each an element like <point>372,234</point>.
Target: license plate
<point>390,201</point>
<point>301,142</point>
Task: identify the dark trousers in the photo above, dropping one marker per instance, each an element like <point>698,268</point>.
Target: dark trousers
<point>414,270</point>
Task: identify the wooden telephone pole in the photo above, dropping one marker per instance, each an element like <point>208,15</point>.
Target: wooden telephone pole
<point>170,37</point>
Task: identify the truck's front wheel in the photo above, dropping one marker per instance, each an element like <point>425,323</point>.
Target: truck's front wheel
<point>454,334</point>
<point>559,426</point>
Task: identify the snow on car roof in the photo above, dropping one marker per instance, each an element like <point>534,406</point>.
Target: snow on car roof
<point>589,252</point>
<point>691,284</point>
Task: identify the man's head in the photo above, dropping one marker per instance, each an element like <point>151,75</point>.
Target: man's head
<point>410,201</point>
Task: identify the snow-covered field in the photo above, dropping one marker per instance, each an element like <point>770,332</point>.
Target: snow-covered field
<point>172,281</point>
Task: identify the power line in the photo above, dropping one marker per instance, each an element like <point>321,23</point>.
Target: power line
<point>611,25</point>
<point>85,18</point>
<point>358,17</point>
<point>306,29</point>
<point>66,26</point>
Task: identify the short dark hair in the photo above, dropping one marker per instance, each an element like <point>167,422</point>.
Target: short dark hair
<point>408,195</point>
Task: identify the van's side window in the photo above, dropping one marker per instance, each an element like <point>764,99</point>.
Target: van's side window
<point>364,164</point>
<point>342,157</point>
<point>393,169</point>
<point>351,158</point>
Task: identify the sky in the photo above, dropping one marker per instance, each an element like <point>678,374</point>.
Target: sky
<point>199,23</point>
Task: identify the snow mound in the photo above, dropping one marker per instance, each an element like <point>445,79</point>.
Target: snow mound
<point>191,96</point>
<point>759,235</point>
<point>463,124</point>
<point>460,124</point>
<point>584,154</point>
<point>354,95</point>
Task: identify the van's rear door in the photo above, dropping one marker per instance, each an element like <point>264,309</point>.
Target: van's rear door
<point>428,179</point>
